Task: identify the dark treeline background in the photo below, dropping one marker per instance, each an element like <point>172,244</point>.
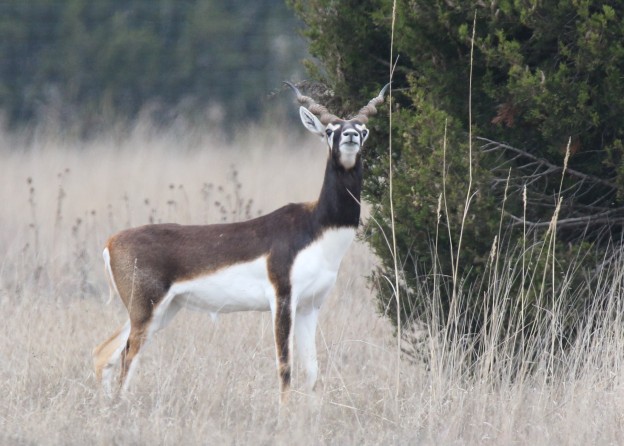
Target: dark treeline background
<point>98,62</point>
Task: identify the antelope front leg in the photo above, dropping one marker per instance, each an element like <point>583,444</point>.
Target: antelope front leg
<point>283,328</point>
<point>305,335</point>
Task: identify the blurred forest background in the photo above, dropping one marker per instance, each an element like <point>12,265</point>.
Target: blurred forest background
<point>86,65</point>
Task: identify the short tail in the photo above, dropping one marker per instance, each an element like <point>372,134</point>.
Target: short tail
<point>112,286</point>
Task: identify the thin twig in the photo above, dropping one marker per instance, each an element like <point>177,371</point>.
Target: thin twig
<point>495,145</point>
<point>587,220</point>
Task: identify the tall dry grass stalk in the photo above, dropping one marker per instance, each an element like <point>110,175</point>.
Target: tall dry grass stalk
<point>396,287</point>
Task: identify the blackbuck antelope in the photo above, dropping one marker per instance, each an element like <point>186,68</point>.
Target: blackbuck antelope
<point>286,261</point>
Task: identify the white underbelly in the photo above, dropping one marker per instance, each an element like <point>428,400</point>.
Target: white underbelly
<point>241,287</point>
<point>246,286</point>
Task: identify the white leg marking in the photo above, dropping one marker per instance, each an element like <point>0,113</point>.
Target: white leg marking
<point>291,338</point>
<point>114,358</point>
<point>305,334</point>
<point>130,372</point>
<point>163,314</point>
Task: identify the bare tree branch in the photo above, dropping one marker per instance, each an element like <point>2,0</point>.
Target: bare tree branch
<point>491,146</point>
<point>609,217</point>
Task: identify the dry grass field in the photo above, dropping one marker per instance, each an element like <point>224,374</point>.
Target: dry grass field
<point>214,382</point>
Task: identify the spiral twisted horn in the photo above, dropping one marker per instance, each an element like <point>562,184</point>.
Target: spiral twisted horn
<point>323,114</point>
<point>371,108</point>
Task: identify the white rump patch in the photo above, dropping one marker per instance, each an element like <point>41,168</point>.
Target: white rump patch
<point>112,286</point>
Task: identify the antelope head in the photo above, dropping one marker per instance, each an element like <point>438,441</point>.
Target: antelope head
<point>344,137</point>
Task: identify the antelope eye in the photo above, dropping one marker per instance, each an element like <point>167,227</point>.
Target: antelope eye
<point>364,133</point>
<point>328,132</point>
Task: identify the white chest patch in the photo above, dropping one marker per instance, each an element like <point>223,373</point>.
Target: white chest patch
<point>315,268</point>
<point>241,287</point>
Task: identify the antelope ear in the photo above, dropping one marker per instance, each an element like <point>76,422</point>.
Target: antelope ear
<point>311,122</point>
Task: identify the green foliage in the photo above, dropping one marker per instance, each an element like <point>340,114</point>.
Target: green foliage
<point>109,59</point>
<point>544,73</point>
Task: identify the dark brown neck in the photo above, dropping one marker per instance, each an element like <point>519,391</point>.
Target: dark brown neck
<point>339,201</point>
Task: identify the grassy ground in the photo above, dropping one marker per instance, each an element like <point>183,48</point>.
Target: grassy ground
<point>203,382</point>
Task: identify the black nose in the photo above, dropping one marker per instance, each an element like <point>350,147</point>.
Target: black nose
<point>350,135</point>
